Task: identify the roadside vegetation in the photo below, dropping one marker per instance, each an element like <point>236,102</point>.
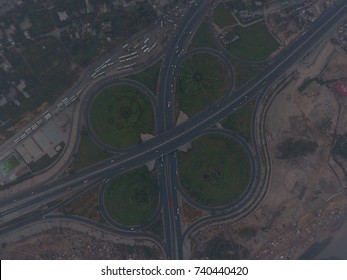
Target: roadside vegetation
<point>215,171</point>
<point>203,37</point>
<point>223,16</point>
<point>201,81</point>
<point>119,114</point>
<point>88,153</point>
<point>148,77</point>
<point>245,71</point>
<point>255,43</point>
<point>132,198</point>
<point>241,121</point>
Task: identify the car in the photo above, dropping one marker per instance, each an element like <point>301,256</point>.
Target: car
<point>132,228</point>
<point>85,181</point>
<point>112,160</point>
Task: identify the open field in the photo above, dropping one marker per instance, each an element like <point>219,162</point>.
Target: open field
<point>202,38</point>
<point>215,172</point>
<point>255,42</point>
<point>240,121</point>
<point>202,80</point>
<point>223,17</point>
<point>88,153</point>
<point>148,77</point>
<point>132,198</point>
<point>119,114</point>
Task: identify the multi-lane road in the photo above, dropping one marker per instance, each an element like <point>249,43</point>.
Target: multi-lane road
<point>164,144</point>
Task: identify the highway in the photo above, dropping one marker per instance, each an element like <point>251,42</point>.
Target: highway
<point>171,137</point>
<point>166,120</point>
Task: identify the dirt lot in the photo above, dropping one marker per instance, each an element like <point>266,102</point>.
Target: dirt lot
<point>306,203</point>
<point>75,245</point>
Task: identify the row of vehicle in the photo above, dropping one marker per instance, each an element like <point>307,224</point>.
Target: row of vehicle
<point>129,58</point>
<point>33,127</point>
<point>97,71</point>
<point>127,55</point>
<point>126,66</point>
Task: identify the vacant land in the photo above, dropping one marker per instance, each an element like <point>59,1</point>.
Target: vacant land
<point>88,153</point>
<point>86,206</point>
<point>148,77</point>
<point>240,121</point>
<point>119,114</point>
<point>223,17</point>
<point>132,198</point>
<point>215,172</point>
<point>202,80</point>
<point>67,243</point>
<point>254,43</point>
<point>203,37</point>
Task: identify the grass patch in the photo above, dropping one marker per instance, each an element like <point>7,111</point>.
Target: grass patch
<point>132,198</point>
<point>254,43</point>
<point>245,72</point>
<point>223,17</point>
<point>45,161</point>
<point>215,172</point>
<point>240,121</point>
<point>42,23</point>
<point>157,228</point>
<point>202,80</point>
<point>88,153</point>
<point>149,77</point>
<point>119,114</point>
<point>203,38</point>
<point>7,166</point>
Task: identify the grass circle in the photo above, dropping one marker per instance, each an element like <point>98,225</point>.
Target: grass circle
<point>202,80</point>
<point>119,114</point>
<point>132,198</point>
<point>223,173</point>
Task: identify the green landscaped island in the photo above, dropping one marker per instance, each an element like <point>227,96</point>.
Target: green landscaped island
<point>119,114</point>
<point>215,171</point>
